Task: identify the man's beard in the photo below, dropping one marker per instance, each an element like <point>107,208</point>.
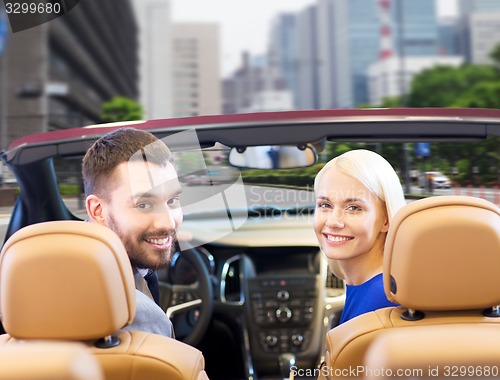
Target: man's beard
<point>139,258</point>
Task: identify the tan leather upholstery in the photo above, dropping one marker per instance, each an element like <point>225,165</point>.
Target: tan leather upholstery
<point>449,242</point>
<point>433,248</point>
<point>77,277</point>
<point>435,351</point>
<point>48,361</point>
<point>71,280</point>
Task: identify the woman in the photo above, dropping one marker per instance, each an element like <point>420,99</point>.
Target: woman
<point>357,194</point>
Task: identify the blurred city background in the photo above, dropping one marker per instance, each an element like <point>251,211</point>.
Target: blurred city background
<point>131,59</point>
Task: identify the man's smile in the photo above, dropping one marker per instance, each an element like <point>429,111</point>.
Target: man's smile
<point>160,243</point>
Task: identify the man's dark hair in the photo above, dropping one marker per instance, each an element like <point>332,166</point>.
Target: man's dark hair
<point>119,146</point>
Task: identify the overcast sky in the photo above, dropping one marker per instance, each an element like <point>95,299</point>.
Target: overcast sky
<point>244,24</point>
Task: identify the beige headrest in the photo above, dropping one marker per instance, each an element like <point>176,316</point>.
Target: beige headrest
<point>65,280</point>
<point>443,253</point>
<point>37,360</point>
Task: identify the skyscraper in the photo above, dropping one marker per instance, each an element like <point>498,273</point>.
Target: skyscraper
<point>283,48</point>
<point>307,60</point>
<point>340,39</point>
<point>416,31</point>
<point>466,7</point>
<point>155,52</point>
<point>412,29</point>
<point>196,66</point>
<point>60,73</point>
<point>449,36</point>
<point>479,29</point>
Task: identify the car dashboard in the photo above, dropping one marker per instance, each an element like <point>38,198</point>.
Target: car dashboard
<point>273,293</point>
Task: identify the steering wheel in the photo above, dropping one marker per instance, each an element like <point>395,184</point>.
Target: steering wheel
<point>189,295</point>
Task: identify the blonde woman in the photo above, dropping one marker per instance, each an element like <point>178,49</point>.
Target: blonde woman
<point>357,194</point>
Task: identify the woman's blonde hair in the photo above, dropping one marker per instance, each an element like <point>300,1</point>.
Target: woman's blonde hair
<point>373,171</point>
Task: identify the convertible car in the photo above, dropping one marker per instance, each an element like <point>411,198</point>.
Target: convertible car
<point>249,286</point>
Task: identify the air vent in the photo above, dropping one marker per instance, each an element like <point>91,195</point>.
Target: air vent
<point>231,290</point>
<point>334,285</point>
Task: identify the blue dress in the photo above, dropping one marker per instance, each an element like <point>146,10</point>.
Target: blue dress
<point>368,296</point>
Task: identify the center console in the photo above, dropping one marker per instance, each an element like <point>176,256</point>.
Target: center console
<point>282,311</point>
<point>281,293</point>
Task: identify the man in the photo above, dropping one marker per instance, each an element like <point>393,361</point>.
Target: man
<point>131,186</point>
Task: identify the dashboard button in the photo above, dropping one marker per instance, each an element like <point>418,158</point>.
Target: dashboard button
<point>271,340</point>
<point>282,295</point>
<point>283,314</point>
<point>297,339</point>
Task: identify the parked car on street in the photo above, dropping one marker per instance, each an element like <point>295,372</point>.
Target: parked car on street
<point>274,297</point>
<point>439,180</point>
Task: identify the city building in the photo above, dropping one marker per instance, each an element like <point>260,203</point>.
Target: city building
<point>257,85</point>
<point>416,27</point>
<point>449,42</point>
<point>384,76</point>
<point>339,40</point>
<point>479,29</point>
<point>270,101</point>
<point>283,47</point>
<point>466,7</point>
<point>196,69</point>
<point>155,57</point>
<point>484,36</point>
<point>307,62</point>
<point>239,89</point>
<point>57,75</point>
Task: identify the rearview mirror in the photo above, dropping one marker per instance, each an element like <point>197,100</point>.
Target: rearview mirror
<point>273,156</point>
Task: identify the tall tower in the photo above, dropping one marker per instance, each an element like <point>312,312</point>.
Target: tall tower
<point>155,52</point>
<point>386,50</point>
<point>195,61</point>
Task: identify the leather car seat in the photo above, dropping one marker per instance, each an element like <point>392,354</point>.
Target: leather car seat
<point>72,281</point>
<point>435,351</point>
<point>48,361</point>
<point>441,264</point>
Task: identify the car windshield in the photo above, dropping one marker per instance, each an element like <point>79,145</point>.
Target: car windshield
<point>463,166</point>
